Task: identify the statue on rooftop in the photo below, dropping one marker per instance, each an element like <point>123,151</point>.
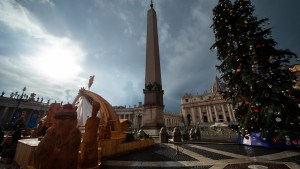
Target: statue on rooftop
<point>32,97</point>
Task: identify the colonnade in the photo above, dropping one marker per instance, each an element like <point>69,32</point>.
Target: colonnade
<point>209,113</point>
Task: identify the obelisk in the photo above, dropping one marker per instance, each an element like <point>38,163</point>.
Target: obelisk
<point>153,94</point>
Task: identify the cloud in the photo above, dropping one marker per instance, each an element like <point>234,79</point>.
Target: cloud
<point>124,18</point>
<point>54,64</point>
<point>18,18</point>
<point>117,61</point>
<point>164,33</point>
<point>49,2</point>
<point>187,62</point>
<point>142,40</point>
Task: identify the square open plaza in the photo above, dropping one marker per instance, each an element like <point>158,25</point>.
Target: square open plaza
<point>220,128</point>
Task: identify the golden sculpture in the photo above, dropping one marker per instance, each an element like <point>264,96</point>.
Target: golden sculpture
<point>59,148</point>
<point>89,145</point>
<point>109,122</point>
<point>50,113</point>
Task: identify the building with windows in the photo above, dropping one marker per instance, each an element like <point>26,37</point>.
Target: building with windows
<point>136,113</point>
<point>207,108</point>
<point>172,119</point>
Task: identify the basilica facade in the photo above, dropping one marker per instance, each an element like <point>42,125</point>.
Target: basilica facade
<point>207,108</point>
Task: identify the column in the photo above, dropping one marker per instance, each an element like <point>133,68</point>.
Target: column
<point>207,114</point>
<point>193,115</point>
<point>184,116</point>
<point>9,114</point>
<point>210,114</point>
<point>142,120</point>
<point>3,118</point>
<point>229,112</point>
<point>216,114</point>
<point>200,113</point>
<point>223,111</point>
<point>233,114</point>
<point>136,121</point>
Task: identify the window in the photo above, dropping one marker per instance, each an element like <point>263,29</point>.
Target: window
<point>228,119</point>
<point>189,119</point>
<point>205,119</point>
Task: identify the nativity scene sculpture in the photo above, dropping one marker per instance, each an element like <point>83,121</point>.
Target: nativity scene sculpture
<point>66,147</point>
<point>89,146</point>
<point>109,125</point>
<point>59,147</point>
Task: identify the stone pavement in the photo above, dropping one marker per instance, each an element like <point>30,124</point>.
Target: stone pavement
<point>205,155</point>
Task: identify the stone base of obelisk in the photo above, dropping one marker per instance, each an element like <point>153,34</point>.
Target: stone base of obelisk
<point>153,120</point>
<point>152,131</point>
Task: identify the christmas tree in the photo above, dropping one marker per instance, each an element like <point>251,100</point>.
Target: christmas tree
<point>255,74</point>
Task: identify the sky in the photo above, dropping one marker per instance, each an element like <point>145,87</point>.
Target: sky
<point>52,47</point>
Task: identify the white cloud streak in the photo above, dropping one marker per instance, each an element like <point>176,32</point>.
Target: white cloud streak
<point>54,62</point>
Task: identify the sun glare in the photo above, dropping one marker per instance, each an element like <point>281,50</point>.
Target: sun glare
<point>59,60</point>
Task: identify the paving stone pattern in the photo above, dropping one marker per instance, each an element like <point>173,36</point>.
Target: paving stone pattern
<point>294,159</point>
<point>205,153</point>
<point>155,153</point>
<point>256,165</point>
<point>162,167</point>
<point>244,149</point>
<point>165,153</point>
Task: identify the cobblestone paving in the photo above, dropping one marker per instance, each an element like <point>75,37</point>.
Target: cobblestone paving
<point>295,159</point>
<point>245,150</point>
<point>155,153</point>
<point>166,153</point>
<point>205,153</point>
<point>195,167</point>
<point>256,165</point>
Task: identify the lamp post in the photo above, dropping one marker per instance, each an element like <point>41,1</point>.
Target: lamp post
<point>21,97</point>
